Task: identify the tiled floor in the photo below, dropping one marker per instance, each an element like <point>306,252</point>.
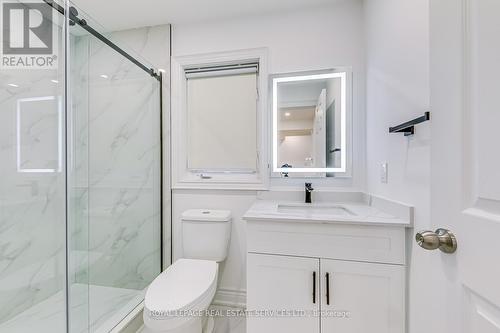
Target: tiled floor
<point>108,306</point>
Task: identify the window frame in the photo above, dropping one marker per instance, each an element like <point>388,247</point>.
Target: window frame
<point>184,178</point>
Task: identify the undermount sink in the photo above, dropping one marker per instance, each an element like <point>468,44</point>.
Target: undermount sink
<point>314,210</point>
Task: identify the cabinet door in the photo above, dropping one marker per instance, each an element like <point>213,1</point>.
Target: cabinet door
<point>276,283</point>
<point>362,297</point>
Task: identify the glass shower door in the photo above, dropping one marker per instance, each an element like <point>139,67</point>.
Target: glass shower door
<point>80,182</point>
<point>114,183</point>
<point>32,182</point>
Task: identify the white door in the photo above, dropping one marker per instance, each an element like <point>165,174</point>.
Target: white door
<point>281,283</point>
<point>319,132</point>
<point>465,162</point>
<point>362,297</point>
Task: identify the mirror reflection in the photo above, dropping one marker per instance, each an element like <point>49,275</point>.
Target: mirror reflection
<point>309,118</point>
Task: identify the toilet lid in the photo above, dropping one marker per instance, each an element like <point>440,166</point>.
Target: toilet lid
<point>181,285</point>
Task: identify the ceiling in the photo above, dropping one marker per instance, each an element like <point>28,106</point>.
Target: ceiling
<point>297,113</point>
<point>124,14</point>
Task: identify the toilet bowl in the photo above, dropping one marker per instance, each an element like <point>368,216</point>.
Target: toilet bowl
<point>177,300</point>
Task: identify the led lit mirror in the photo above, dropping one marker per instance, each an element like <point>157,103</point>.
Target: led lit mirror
<point>310,113</point>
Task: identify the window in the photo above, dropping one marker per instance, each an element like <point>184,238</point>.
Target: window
<point>219,131</point>
<point>222,123</point>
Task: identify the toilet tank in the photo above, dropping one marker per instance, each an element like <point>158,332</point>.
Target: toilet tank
<point>206,234</point>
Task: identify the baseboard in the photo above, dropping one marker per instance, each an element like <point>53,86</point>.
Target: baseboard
<point>230,297</point>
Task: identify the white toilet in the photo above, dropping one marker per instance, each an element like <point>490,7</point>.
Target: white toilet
<point>177,299</point>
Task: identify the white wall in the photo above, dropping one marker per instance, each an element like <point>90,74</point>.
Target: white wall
<point>295,149</point>
<point>297,41</point>
<point>397,47</point>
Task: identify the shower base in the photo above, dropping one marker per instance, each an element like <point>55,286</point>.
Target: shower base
<point>108,307</point>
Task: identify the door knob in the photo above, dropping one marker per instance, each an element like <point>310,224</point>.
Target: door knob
<point>440,239</point>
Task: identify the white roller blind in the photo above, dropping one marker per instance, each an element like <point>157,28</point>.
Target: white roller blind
<point>222,124</point>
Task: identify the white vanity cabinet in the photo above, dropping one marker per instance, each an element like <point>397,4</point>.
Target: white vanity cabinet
<point>363,297</point>
<point>282,283</point>
<point>337,277</point>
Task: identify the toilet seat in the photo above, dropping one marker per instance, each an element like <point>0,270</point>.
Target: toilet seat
<point>186,285</point>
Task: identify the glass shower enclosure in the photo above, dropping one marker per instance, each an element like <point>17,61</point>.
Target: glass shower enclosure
<point>80,179</point>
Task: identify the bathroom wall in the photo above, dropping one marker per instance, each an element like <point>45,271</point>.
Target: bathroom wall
<point>294,149</point>
<point>397,76</point>
<point>297,41</point>
<point>317,38</point>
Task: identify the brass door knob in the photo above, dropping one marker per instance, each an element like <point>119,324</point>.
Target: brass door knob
<point>440,239</point>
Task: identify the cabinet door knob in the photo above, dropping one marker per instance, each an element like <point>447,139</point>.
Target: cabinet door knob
<point>441,239</point>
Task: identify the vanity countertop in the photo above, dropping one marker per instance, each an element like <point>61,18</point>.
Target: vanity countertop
<point>323,212</point>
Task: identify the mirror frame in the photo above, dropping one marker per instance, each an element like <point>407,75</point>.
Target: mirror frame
<point>344,73</point>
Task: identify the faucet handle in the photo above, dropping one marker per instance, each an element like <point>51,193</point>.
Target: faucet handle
<point>309,186</point>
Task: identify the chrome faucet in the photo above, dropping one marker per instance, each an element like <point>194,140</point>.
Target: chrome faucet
<point>308,189</point>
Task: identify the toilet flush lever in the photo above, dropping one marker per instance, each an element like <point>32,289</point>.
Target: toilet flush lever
<point>441,239</point>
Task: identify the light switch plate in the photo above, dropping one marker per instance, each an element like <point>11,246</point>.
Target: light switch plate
<point>383,173</point>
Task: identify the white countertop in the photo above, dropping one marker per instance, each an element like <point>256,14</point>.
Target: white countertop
<point>358,213</point>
